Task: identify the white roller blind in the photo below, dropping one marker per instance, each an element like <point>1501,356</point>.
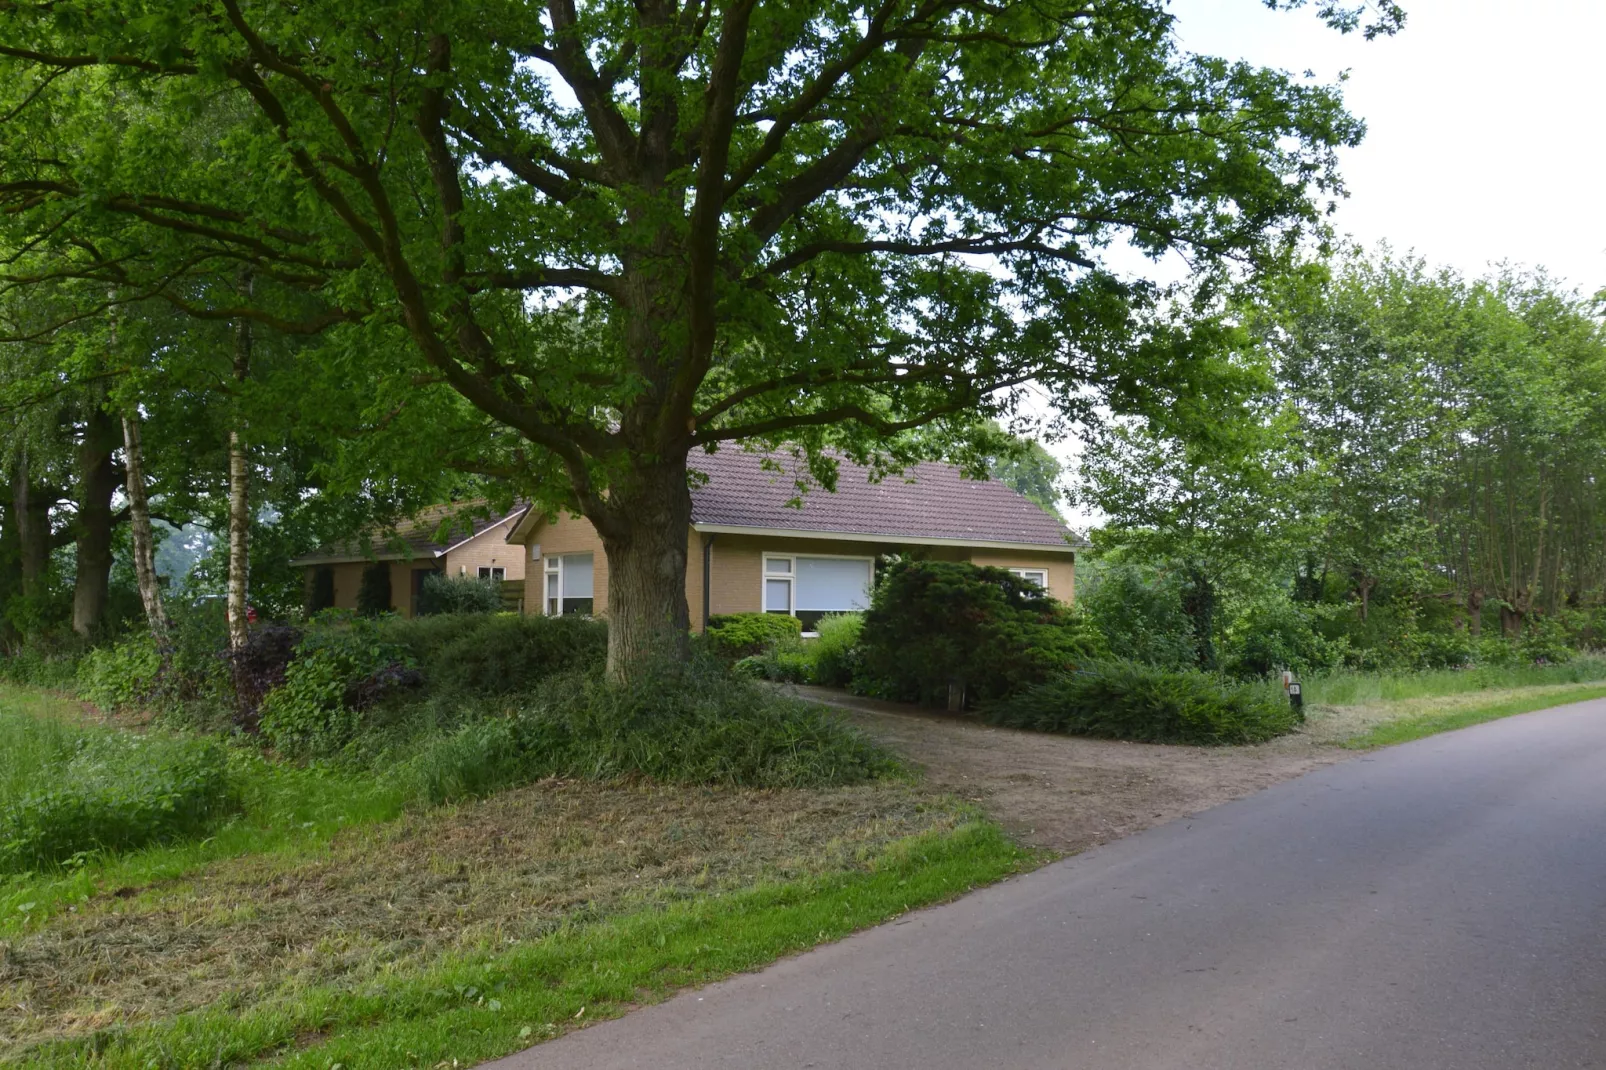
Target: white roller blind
<point>832,584</point>
<point>577,575</point>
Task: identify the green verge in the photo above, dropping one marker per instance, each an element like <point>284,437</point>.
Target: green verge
<point>489,1003</point>
<point>1420,727</point>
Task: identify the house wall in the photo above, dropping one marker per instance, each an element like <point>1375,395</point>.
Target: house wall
<point>565,535</point>
<point>490,547</point>
<point>1061,568</point>
<point>736,584</point>
<point>348,579</point>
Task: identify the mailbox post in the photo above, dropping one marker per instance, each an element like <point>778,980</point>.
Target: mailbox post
<point>1296,697</point>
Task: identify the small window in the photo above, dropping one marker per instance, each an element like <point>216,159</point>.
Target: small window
<point>1038,576</point>
<point>568,585</point>
<point>494,573</point>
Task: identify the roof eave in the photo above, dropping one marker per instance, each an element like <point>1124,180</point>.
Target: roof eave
<point>1066,547</point>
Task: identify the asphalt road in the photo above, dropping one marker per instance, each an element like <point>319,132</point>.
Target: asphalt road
<point>1438,905</point>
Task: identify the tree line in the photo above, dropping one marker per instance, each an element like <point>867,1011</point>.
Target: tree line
<point>1420,450</point>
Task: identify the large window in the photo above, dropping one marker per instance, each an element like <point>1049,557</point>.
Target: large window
<point>494,573</point>
<point>1038,576</point>
<point>809,587</point>
<point>568,584</point>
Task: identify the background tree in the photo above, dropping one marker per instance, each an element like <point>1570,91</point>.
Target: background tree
<point>621,232</point>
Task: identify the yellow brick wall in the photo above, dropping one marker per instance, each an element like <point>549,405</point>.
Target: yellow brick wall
<point>736,584</point>
<point>565,535</point>
<point>1061,568</point>
<point>488,548</point>
<point>348,579</point>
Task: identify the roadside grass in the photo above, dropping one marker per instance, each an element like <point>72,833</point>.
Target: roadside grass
<point>1418,720</point>
<point>329,923</point>
<point>1366,688</point>
<point>1380,723</point>
<point>468,933</point>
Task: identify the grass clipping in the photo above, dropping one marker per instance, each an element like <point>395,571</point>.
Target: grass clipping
<point>260,940</point>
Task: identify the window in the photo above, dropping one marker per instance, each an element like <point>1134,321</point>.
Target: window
<point>1038,576</point>
<point>808,587</point>
<point>568,584</point>
<point>494,573</point>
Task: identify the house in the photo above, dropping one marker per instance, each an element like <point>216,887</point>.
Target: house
<point>412,552</point>
<point>755,545</point>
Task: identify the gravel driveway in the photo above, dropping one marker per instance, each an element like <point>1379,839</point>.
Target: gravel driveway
<point>1066,794</point>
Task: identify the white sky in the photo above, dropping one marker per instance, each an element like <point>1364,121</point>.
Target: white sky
<point>1486,124</point>
<point>1486,128</point>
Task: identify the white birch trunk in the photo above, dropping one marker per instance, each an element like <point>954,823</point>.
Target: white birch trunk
<point>139,517</point>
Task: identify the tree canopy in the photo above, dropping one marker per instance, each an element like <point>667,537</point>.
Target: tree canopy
<point>568,244</point>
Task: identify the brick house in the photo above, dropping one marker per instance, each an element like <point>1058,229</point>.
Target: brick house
<point>411,553</point>
<point>755,544</point>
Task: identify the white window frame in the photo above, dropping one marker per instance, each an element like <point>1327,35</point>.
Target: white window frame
<point>765,576</point>
<point>493,573</point>
<point>1031,573</point>
<point>552,565</point>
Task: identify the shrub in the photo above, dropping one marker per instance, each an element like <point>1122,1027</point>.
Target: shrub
<point>677,724</point>
<point>936,623</point>
<point>336,674</point>
<point>740,635</point>
<point>1144,704</point>
<point>373,591</point>
<point>1544,641</point>
<point>121,676</point>
<point>118,791</point>
<point>43,663</point>
<point>836,652</point>
<point>475,654</point>
<point>1274,633</point>
<point>1141,615</point>
<point>786,662</point>
<point>443,594</point>
<point>258,667</point>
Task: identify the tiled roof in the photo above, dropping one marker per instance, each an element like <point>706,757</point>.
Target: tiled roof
<point>413,538</point>
<point>929,501</point>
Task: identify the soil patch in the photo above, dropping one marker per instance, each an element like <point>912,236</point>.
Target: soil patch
<point>1067,794</point>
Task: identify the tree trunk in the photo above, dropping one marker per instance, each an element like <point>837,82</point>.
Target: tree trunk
<point>10,575</point>
<point>30,510</point>
<point>239,500</point>
<point>644,532</point>
<point>139,515</point>
<point>97,482</point>
<point>1199,603</point>
<point>1475,612</point>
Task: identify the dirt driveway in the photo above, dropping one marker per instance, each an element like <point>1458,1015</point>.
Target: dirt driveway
<point>1068,794</point>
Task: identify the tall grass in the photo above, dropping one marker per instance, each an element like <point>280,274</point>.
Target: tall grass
<point>1362,688</point>
<point>29,747</point>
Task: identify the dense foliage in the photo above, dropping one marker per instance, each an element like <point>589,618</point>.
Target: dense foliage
<point>740,635</point>
<point>1145,704</point>
<point>112,791</point>
<point>458,594</point>
<point>939,628</point>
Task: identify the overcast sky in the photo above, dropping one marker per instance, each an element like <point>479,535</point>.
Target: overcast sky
<point>1486,123</point>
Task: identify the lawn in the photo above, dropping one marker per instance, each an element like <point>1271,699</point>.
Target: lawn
<point>326,924</point>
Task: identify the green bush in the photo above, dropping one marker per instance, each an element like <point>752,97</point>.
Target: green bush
<point>678,724</point>
<point>786,662</point>
<point>1140,614</point>
<point>476,654</point>
<point>51,663</point>
<point>1274,633</point>
<point>117,791</point>
<point>373,590</point>
<point>338,672</point>
<point>835,653</point>
<point>441,594</point>
<point>1144,704</point>
<point>740,635</point>
<point>936,623</point>
<point>125,675</point>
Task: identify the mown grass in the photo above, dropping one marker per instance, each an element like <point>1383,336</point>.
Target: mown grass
<point>1411,724</point>
<point>498,987</point>
<point>1358,688</point>
<point>330,922</point>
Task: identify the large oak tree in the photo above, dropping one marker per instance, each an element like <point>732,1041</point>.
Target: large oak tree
<point>610,234</point>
